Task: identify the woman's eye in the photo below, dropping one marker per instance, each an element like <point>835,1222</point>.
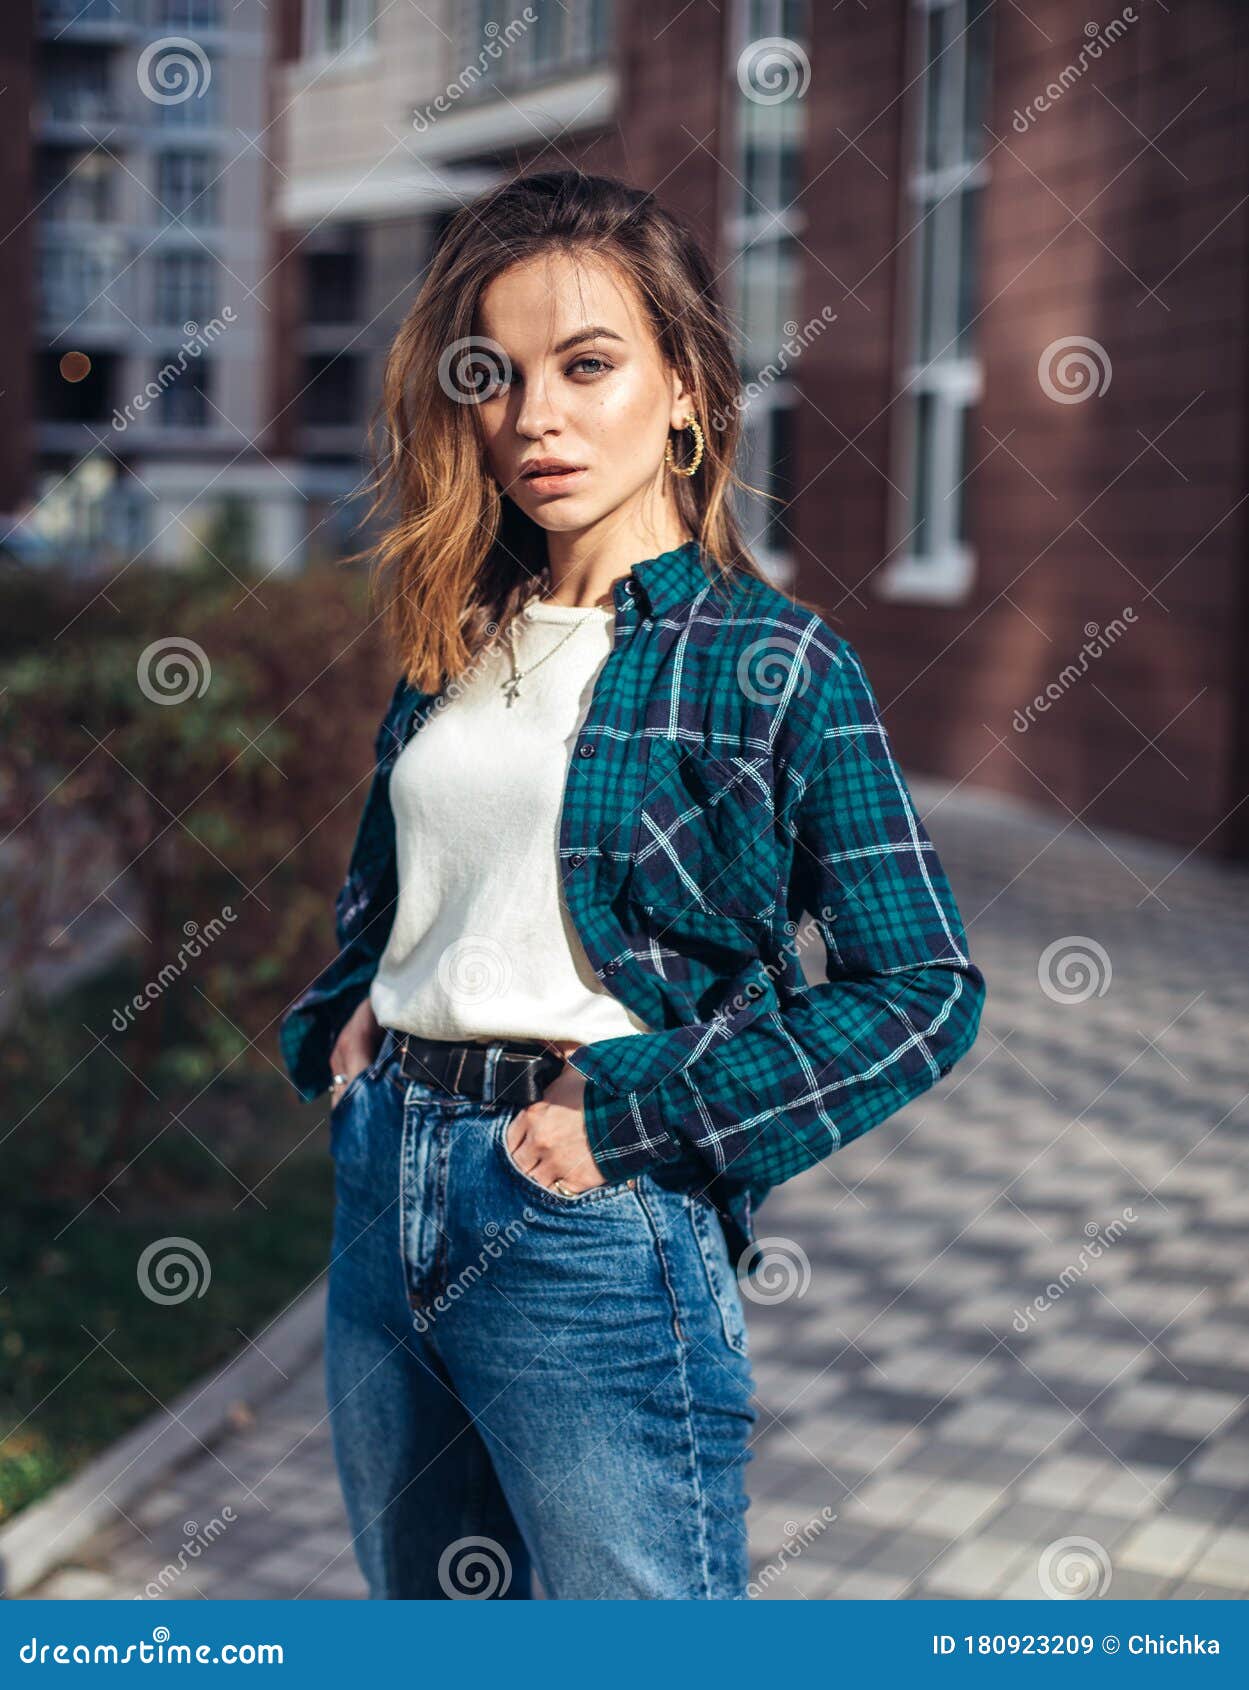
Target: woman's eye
<point>599,364</point>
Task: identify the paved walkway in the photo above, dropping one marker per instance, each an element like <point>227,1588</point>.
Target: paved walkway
<point>1020,1362</point>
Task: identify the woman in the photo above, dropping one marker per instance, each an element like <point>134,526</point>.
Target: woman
<point>567,1035</point>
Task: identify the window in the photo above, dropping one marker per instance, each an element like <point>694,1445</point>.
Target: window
<point>189,14</point>
<point>940,376</point>
<point>74,278</point>
<point>89,400</point>
<point>75,186</point>
<point>76,88</point>
<point>184,387</point>
<point>331,391</point>
<point>332,287</point>
<point>185,288</point>
<point>504,49</point>
<point>763,226</point>
<point>186,187</point>
<point>200,109</point>
<point>339,28</point>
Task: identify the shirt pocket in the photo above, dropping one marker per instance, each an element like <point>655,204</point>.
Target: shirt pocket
<point>703,833</point>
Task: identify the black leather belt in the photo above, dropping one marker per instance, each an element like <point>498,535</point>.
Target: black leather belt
<point>504,1071</point>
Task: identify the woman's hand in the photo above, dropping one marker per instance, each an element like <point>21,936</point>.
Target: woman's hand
<point>355,1047</point>
<point>548,1140</point>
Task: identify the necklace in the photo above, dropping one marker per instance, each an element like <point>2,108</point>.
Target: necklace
<point>511,687</point>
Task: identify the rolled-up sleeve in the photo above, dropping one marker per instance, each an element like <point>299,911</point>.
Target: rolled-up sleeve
<point>763,1096</point>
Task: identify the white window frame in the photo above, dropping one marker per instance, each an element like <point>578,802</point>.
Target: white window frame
<point>195,374</point>
<point>192,271</point>
<point>361,33</point>
<point>187,15</point>
<point>201,210</point>
<point>762,229</point>
<point>519,66</point>
<point>953,380</point>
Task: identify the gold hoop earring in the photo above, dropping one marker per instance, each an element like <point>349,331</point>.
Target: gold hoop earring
<point>687,469</point>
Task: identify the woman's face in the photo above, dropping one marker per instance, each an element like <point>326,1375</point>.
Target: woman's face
<point>587,385</point>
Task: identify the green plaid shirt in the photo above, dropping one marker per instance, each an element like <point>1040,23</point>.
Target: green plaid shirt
<point>732,775</point>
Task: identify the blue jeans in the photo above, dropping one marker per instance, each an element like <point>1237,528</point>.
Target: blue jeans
<point>518,1379</point>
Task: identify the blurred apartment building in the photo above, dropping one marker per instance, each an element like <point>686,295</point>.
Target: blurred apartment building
<point>139,258</point>
<point>986,264</point>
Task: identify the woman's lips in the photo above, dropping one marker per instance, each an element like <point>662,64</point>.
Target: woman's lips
<point>554,481</point>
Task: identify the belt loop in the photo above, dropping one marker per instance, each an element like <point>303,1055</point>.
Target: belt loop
<point>490,1071</point>
<point>459,1070</point>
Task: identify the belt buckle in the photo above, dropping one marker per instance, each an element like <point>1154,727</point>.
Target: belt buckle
<point>526,1068</point>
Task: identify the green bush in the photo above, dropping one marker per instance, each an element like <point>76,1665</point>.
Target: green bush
<point>220,827</point>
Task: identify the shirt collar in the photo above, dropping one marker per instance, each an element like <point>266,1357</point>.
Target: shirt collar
<point>662,583</point>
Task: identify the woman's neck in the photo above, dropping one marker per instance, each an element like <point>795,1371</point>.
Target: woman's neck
<point>583,572</point>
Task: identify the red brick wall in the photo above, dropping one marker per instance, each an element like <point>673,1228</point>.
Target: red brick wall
<point>1075,517</point>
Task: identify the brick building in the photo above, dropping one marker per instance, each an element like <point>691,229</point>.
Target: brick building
<point>1015,454</point>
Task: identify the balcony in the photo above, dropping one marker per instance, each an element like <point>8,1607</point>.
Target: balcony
<point>75,276</point>
<point>81,20</point>
<point>77,106</point>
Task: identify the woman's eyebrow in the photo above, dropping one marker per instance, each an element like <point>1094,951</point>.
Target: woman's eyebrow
<point>594,333</point>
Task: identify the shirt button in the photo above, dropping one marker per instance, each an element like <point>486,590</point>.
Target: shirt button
<point>628,588</point>
<point>585,750</point>
<point>611,968</point>
<point>576,861</point>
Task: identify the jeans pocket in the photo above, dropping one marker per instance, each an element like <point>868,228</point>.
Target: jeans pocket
<point>596,1194</point>
<point>353,1085</point>
<point>340,1109</point>
<point>714,1251</point>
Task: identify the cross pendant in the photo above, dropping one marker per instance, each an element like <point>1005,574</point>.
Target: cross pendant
<point>511,689</point>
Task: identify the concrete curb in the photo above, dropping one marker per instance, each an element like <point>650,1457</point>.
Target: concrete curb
<point>48,1532</point>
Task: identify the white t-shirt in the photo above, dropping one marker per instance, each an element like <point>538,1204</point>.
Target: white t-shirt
<point>482,946</point>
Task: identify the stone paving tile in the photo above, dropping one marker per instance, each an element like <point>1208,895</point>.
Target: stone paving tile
<point>975,1568</point>
<point>1187,1590</point>
<point>1168,1544</point>
<point>958,1426</point>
